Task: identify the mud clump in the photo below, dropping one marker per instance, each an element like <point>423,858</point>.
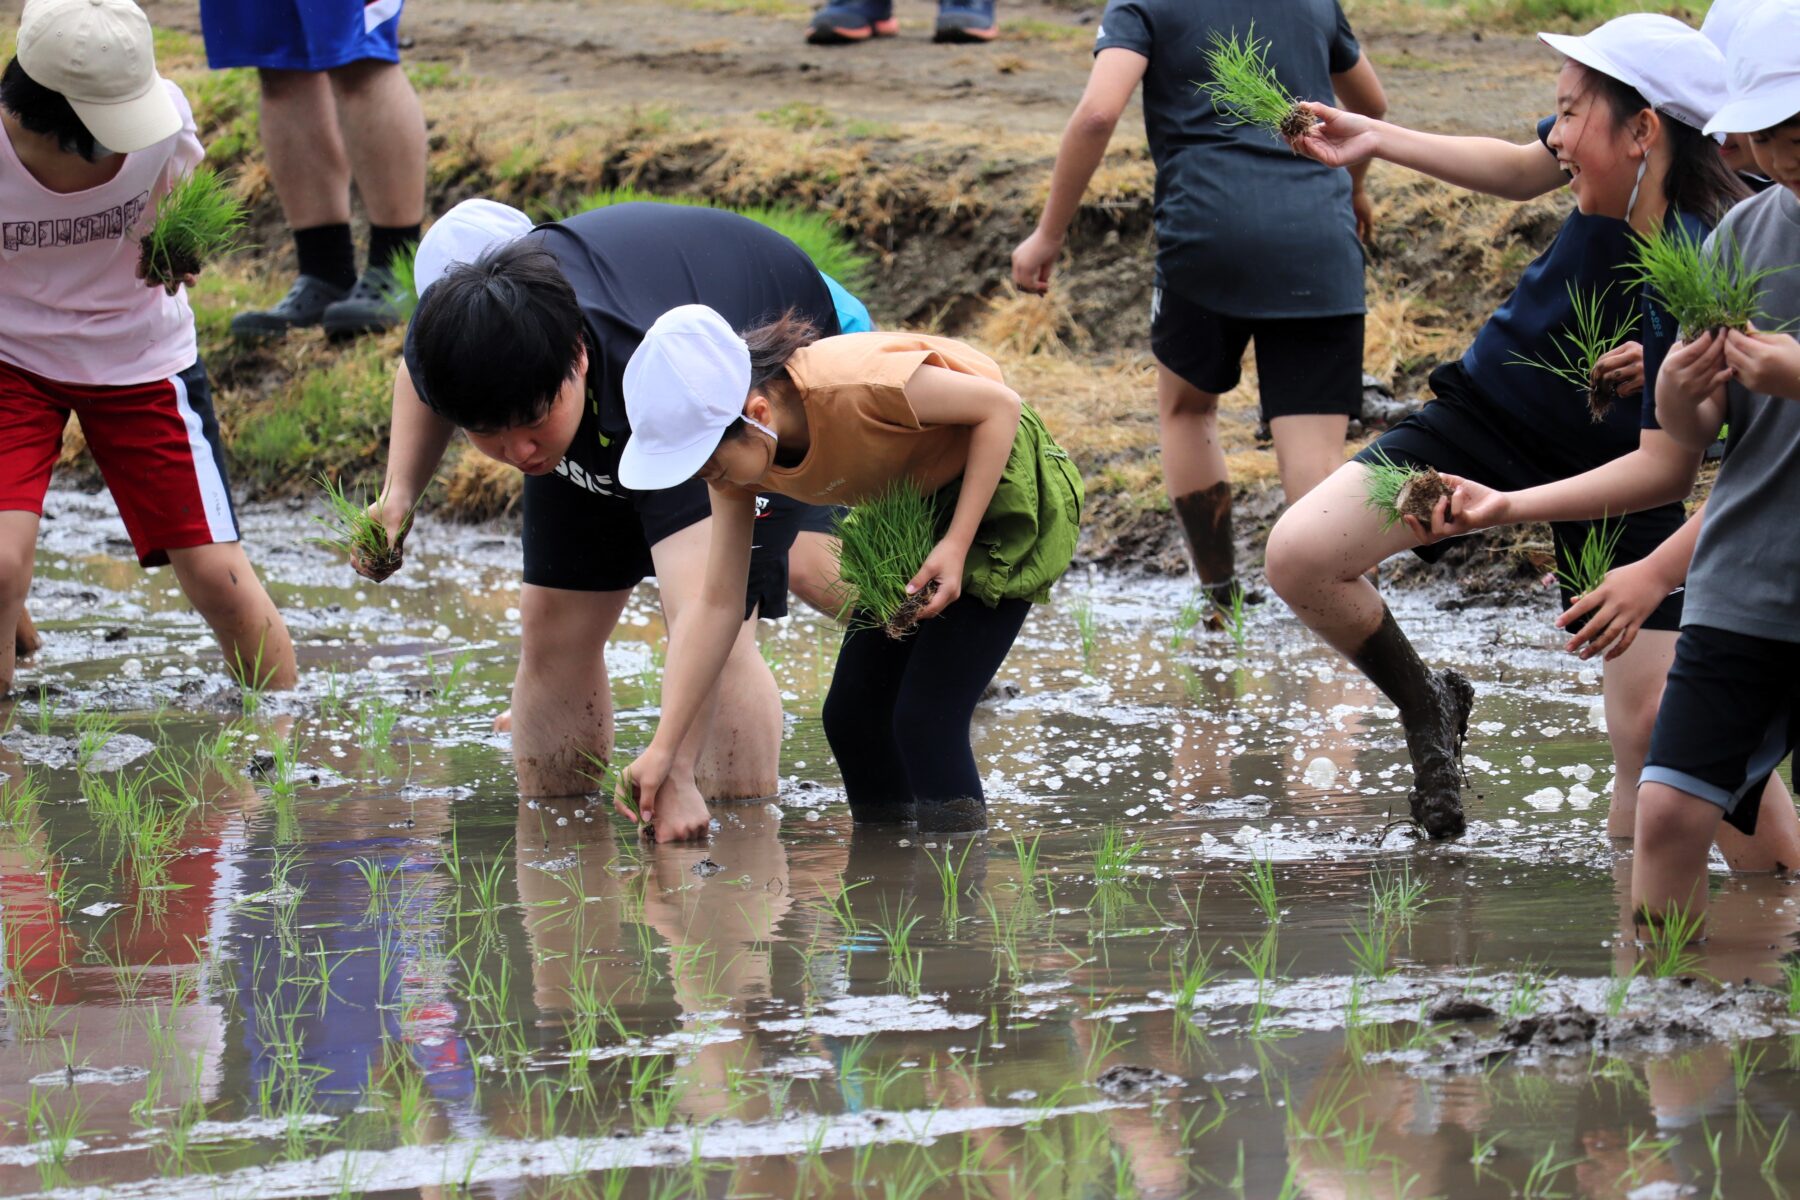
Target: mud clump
<point>1459,1008</point>
<point>1602,395</point>
<point>169,266</point>
<point>1129,1082</point>
<point>1421,494</point>
<point>906,617</point>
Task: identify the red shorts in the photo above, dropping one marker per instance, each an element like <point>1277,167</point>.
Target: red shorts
<point>157,446</point>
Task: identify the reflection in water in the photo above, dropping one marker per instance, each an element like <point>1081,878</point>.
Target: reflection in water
<point>368,966</point>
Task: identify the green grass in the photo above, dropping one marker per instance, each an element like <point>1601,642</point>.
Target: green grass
<point>1703,289</point>
<point>1244,87</point>
<point>1593,560</point>
<point>330,421</point>
<point>1580,347</point>
<point>882,543</point>
<point>196,222</point>
<point>823,240</point>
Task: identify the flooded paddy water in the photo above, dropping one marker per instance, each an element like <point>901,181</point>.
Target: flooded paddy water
<point>314,944</point>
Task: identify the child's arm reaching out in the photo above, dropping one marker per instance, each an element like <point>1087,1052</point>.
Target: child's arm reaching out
<point>1480,164</point>
<point>943,397</point>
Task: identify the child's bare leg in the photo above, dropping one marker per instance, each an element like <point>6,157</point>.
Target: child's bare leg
<point>1675,832</point>
<point>18,553</point>
<point>1318,557</point>
<point>27,641</point>
<point>1308,449</point>
<point>222,586</point>
<point>561,697</point>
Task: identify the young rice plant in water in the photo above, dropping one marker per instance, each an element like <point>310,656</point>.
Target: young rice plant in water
<point>882,543</point>
<point>1585,569</point>
<point>353,532</point>
<point>1581,346</point>
<point>1397,491</point>
<point>198,220</point>
<point>1244,86</point>
<point>1704,289</point>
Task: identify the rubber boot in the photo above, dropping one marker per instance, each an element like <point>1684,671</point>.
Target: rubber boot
<point>1205,518</point>
<point>884,811</point>
<point>26,639</point>
<point>1434,709</point>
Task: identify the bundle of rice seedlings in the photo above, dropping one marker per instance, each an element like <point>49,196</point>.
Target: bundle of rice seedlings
<point>405,292</point>
<point>882,543</point>
<point>197,221</point>
<point>1244,85</point>
<point>1581,347</point>
<point>1397,491</point>
<point>354,533</point>
<point>1586,569</point>
<point>1705,291</point>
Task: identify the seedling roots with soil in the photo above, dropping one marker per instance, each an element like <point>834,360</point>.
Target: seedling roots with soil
<point>1244,86</point>
<point>354,533</point>
<point>1397,491</point>
<point>882,543</point>
<point>197,221</point>
<point>1705,289</point>
<point>1580,347</point>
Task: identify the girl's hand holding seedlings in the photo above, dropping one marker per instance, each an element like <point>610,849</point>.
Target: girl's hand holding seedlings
<point>1340,139</point>
<point>1033,262</point>
<point>944,564</point>
<point>1469,507</point>
<point>1617,609</point>
<point>1696,369</point>
<point>1764,362</point>
<point>1623,367</point>
<point>171,287</point>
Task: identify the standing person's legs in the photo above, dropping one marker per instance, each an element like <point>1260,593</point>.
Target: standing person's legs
<point>383,130</point>
<point>18,553</point>
<point>1199,357</point>
<point>1307,450</point>
<point>307,161</point>
<point>957,654</point>
<point>1319,555</point>
<point>220,583</point>
<point>859,724</point>
<point>562,711</point>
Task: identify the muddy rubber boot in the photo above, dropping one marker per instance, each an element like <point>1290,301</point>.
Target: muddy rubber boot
<point>1434,709</point>
<point>26,639</point>
<point>964,814</point>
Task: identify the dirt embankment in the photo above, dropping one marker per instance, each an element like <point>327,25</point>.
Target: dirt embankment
<point>936,161</point>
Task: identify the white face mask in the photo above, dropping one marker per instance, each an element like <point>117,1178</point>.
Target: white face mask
<point>1631,204</point>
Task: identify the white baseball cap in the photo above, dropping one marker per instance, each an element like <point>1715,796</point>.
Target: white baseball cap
<point>1671,65</point>
<point>1763,70</point>
<point>464,234</point>
<point>1722,20</point>
<point>99,54</point>
<point>684,386</point>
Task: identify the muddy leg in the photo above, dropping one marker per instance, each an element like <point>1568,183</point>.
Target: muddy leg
<point>1194,471</point>
<point>1434,709</point>
<point>26,639</point>
<point>561,701</point>
<point>1675,832</point>
<point>18,553</point>
<point>221,584</point>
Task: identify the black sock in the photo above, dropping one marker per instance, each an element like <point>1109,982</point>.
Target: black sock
<point>387,241</point>
<point>326,252</point>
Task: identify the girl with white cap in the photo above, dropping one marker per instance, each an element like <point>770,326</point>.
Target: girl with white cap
<point>1517,445</point>
<point>839,420</point>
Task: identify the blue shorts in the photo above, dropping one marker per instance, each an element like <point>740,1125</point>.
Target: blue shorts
<point>299,35</point>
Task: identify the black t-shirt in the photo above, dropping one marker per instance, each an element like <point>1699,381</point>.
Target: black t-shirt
<point>1244,226</point>
<point>631,263</point>
<point>1592,253</point>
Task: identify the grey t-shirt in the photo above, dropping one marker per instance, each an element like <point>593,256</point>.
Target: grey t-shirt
<point>1244,226</point>
<point>1745,576</point>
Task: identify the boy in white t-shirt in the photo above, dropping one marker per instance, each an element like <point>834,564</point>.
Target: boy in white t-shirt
<point>92,139</point>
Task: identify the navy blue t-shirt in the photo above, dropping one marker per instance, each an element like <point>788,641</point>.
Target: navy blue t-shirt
<point>1592,253</point>
<point>1244,226</point>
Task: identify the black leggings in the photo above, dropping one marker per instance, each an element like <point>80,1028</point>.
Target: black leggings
<point>898,712</point>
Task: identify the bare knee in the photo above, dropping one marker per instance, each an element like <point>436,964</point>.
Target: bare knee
<point>278,85</point>
<point>1292,561</point>
<point>15,574</point>
<point>353,81</point>
<point>1185,402</point>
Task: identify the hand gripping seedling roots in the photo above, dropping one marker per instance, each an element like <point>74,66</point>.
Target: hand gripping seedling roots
<point>198,220</point>
<point>1397,491</point>
<point>1705,288</point>
<point>882,543</point>
<point>1244,86</point>
<point>1581,346</point>
<point>357,535</point>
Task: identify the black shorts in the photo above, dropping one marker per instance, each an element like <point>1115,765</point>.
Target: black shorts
<point>1460,433</point>
<point>1305,366</point>
<point>1730,714</point>
<point>580,536</point>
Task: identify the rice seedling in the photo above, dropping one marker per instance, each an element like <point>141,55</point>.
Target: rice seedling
<point>838,905</point>
<point>1772,1155</point>
<point>1190,973</point>
<point>1619,989</point>
<point>1540,1181</point>
<point>1671,939</point>
<point>1482,1151</point>
<point>198,220</point>
<point>381,882</point>
<point>1396,491</point>
<point>1705,290</point>
<point>1396,895</point>
<point>45,716</point>
<point>19,800</point>
<point>352,532</point>
<point>882,543</point>
<point>1643,1153</point>
<point>1746,1060</point>
<point>1585,569</point>
<point>1244,87</point>
<point>1237,617</point>
<point>379,716</point>
<point>449,685</point>
<point>1527,991</point>
<point>1113,855</point>
<point>1371,944</point>
<point>1027,855</point>
<point>1258,882</point>
<point>905,965</point>
<point>1790,984</point>
<point>1580,347</point>
<point>1085,631</point>
<point>949,873</point>
<point>56,1136</point>
<point>1193,610</point>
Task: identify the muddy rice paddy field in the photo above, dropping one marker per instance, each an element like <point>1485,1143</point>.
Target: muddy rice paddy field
<point>313,944</point>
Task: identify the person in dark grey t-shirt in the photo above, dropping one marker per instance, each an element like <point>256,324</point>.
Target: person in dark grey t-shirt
<point>1254,243</point>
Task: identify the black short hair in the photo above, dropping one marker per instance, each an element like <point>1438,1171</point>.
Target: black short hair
<point>497,338</point>
<point>43,111</point>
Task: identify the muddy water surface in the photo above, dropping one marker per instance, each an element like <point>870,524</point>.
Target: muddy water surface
<point>314,944</point>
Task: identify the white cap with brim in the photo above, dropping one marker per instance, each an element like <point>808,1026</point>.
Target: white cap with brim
<point>1680,73</point>
<point>101,57</point>
<point>1722,19</point>
<point>464,234</point>
<point>1762,70</point>
<point>684,387</point>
